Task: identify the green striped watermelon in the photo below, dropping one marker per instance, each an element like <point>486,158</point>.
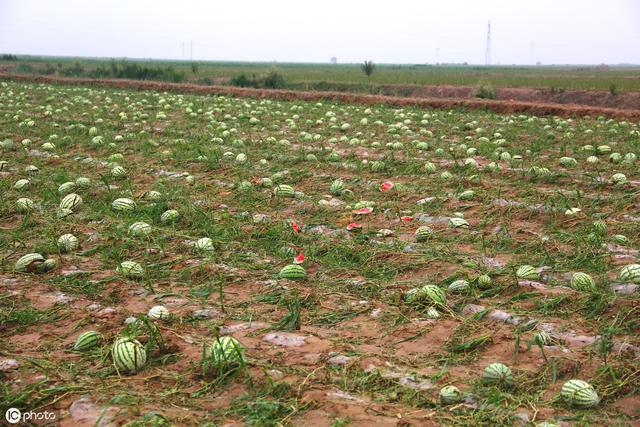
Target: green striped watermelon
<point>423,233</point>
<point>128,355</point>
<point>24,205</point>
<point>130,269</point>
<point>205,244</point>
<point>458,286</point>
<point>337,187</point>
<point>283,190</point>
<point>431,294</point>
<point>293,272</point>
<point>87,340</point>
<point>29,263</point>
<point>71,201</point>
<point>159,312</point>
<point>66,188</point>
<point>169,216</point>
<point>140,229</point>
<point>68,243</point>
<point>527,272</point>
<point>450,394</point>
<point>118,172</point>
<point>123,204</point>
<point>583,282</point>
<point>580,394</point>
<point>455,222</point>
<point>497,374</point>
<point>226,352</point>
<point>630,273</point>
<point>484,281</point>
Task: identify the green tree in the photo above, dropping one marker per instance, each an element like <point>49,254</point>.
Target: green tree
<point>367,68</point>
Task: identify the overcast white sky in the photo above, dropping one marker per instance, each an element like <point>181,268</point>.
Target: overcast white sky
<point>400,31</point>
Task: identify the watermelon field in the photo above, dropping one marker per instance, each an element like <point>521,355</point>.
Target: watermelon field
<point>174,259</point>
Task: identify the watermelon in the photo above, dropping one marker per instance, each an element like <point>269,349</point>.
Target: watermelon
<point>293,272</point>
<point>130,269</point>
<point>123,204</point>
<point>159,312</point>
<point>66,188</point>
<point>29,263</point>
<point>459,286</point>
<point>497,374</point>
<point>466,195</point>
<point>484,281</point>
<point>542,338</point>
<point>47,265</point>
<point>620,239</point>
<point>24,205</point>
<point>580,394</point>
<point>71,201</point>
<point>433,313</point>
<point>423,233</point>
<point>455,222</point>
<point>286,251</point>
<point>68,243</point>
<point>283,190</point>
<point>337,187</point>
<point>450,394</point>
<point>619,179</point>
<point>169,216</point>
<point>583,282</point>
<point>204,244</point>
<point>599,227</point>
<point>83,182</point>
<point>128,355</point>
<point>118,172</point>
<point>630,273</point>
<point>87,340</point>
<point>139,229</point>
<point>527,272</point>
<point>226,352</point>
<point>21,184</point>
<point>63,213</point>
<point>152,195</point>
<point>431,294</point>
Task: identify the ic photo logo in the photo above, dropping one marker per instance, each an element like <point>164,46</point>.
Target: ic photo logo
<point>13,416</point>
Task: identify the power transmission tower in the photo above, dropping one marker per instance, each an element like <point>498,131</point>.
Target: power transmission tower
<point>487,52</point>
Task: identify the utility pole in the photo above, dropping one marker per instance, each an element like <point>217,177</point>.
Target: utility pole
<point>437,56</point>
<point>487,52</point>
<point>183,51</point>
<point>532,58</point>
<point>191,56</point>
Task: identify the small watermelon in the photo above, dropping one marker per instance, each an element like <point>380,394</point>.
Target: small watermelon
<point>130,269</point>
<point>140,229</point>
<point>226,352</point>
<point>458,286</point>
<point>87,340</point>
<point>431,294</point>
<point>455,222</point>
<point>71,201</point>
<point>497,374</point>
<point>579,394</point>
<point>25,205</point>
<point>583,282</point>
<point>159,312</point>
<point>128,355</point>
<point>630,273</point>
<point>283,190</point>
<point>450,394</point>
<point>205,244</point>
<point>423,233</point>
<point>29,263</point>
<point>484,281</point>
<point>123,204</point>
<point>293,272</point>
<point>527,272</point>
<point>169,216</point>
<point>68,243</point>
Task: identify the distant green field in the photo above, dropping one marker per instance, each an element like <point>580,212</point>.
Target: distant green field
<point>298,74</point>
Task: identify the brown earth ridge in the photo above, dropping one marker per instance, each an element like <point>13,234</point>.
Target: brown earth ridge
<point>510,100</point>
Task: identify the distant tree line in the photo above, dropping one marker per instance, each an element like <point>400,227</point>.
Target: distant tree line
<point>271,80</point>
<point>115,69</point>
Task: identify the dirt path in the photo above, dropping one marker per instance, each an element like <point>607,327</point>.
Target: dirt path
<point>498,106</point>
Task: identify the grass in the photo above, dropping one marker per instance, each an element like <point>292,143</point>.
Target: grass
<point>353,301</point>
<point>349,77</point>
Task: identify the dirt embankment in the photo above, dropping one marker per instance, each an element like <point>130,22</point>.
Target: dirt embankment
<point>594,98</point>
<point>498,106</point>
